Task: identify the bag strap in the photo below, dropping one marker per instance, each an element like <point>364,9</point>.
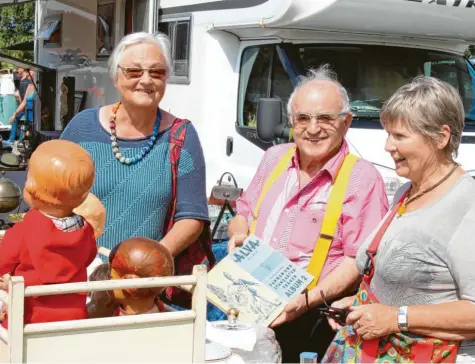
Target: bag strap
<point>274,176</point>
<point>330,219</point>
<point>177,140</point>
<point>332,212</point>
<point>373,246</point>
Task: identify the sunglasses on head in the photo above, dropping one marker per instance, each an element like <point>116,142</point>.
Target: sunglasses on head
<point>337,314</point>
<point>137,72</point>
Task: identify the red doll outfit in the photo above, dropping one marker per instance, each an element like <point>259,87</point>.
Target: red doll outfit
<point>43,254</point>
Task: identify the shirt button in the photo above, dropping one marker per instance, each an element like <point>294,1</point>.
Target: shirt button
<point>274,240</point>
<point>286,210</point>
<point>314,220</point>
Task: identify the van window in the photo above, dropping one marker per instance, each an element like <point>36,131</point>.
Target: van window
<point>370,74</point>
<point>178,30</point>
<point>254,83</point>
<point>262,75</point>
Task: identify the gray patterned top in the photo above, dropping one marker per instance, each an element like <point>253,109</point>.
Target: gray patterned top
<point>428,256</point>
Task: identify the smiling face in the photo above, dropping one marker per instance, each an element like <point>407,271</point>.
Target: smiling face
<point>319,140</point>
<point>143,91</point>
<point>414,154</point>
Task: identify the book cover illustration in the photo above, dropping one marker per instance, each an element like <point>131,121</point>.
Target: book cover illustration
<point>257,280</point>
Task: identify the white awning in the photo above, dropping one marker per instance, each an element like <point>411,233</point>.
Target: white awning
<point>18,62</point>
<point>423,19</point>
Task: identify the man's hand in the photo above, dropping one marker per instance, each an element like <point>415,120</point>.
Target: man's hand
<point>235,241</point>
<point>343,303</point>
<point>373,321</point>
<point>294,309</point>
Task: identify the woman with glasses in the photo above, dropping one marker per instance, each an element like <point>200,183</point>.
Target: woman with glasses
<point>416,301</point>
<point>129,142</point>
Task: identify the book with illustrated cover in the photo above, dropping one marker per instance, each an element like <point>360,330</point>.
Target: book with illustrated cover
<point>257,280</point>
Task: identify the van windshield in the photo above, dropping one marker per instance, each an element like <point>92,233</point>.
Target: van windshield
<point>371,74</point>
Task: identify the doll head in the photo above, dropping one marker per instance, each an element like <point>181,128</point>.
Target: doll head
<point>60,175</point>
<point>140,258</point>
<point>102,303</point>
<point>94,212</point>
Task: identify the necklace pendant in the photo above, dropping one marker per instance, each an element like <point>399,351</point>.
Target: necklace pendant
<point>402,210</point>
<point>115,145</point>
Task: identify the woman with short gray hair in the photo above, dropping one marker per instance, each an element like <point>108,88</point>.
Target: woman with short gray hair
<point>131,143</point>
<point>416,301</point>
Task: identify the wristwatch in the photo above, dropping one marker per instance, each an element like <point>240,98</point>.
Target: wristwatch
<point>402,318</point>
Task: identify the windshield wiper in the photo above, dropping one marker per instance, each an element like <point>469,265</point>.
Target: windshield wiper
<point>365,117</point>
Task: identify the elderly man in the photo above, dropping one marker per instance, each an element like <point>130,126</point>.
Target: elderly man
<point>292,209</point>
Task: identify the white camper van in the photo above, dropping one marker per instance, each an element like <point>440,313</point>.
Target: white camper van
<point>229,54</point>
<point>242,51</point>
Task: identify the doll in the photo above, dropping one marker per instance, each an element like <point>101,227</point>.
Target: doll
<point>132,258</point>
<point>94,212</point>
<point>52,244</point>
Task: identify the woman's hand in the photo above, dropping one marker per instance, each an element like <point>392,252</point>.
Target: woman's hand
<point>12,119</point>
<point>343,303</point>
<point>373,321</point>
<point>235,241</point>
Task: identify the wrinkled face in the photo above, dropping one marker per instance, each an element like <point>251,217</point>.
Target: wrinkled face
<point>413,153</point>
<point>147,89</point>
<point>318,128</point>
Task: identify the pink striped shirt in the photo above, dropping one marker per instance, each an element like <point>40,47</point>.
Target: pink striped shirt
<point>290,217</point>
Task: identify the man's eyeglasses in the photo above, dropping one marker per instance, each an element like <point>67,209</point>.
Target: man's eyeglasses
<point>303,120</point>
<point>137,72</point>
<point>338,314</point>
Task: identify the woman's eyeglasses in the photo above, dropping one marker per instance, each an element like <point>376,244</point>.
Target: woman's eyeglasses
<point>137,72</point>
<point>303,120</point>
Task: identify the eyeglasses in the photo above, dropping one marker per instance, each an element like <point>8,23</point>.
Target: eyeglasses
<point>303,120</point>
<point>137,72</point>
<point>338,314</point>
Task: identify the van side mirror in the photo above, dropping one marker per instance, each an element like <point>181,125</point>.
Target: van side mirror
<point>269,120</point>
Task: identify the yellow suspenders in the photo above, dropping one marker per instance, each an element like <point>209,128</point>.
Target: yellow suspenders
<point>332,212</point>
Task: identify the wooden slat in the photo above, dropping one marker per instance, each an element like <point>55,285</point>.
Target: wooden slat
<point>55,289</point>
<point>109,322</point>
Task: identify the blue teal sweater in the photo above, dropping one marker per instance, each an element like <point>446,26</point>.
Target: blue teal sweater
<point>136,197</point>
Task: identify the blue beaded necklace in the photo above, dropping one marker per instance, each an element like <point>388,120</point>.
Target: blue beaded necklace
<point>145,150</point>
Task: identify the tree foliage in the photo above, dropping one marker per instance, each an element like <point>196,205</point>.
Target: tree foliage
<point>17,25</point>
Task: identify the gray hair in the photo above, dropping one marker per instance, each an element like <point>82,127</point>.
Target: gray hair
<point>426,104</point>
<point>322,73</point>
<point>159,39</point>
